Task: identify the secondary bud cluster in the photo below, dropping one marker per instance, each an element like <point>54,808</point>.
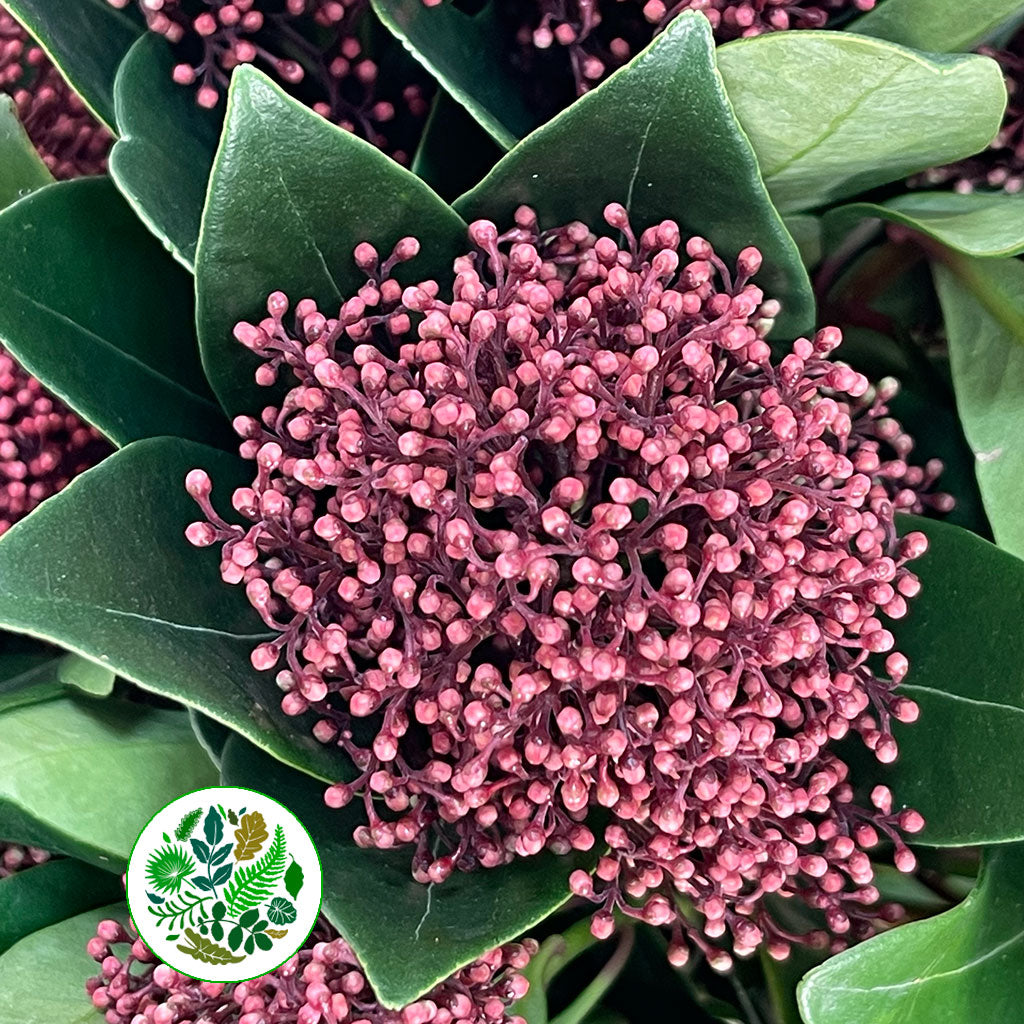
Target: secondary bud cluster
<point>314,48</point>
<point>16,858</point>
<point>43,444</point>
<point>570,539</point>
<point>67,137</point>
<point>321,983</point>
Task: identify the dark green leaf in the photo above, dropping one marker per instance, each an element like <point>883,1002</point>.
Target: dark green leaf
<point>38,897</point>
<point>463,52</point>
<point>660,137</point>
<point>235,937</point>
<point>966,965</point>
<point>250,944</point>
<point>281,911</point>
<point>293,879</point>
<point>218,910</point>
<point>217,931</point>
<point>202,851</point>
<point>222,854</point>
<point>987,363</point>
<point>213,827</point>
<point>223,874</point>
<point>121,584</point>
<point>201,883</point>
<point>431,930</point>
<point>319,191</point>
<point>162,160</point>
<point>263,940</point>
<point>28,672</point>
<point>148,756</point>
<point>44,974</point>
<point>21,168</point>
<point>97,310</point>
<point>938,26</point>
<point>86,39</point>
<point>248,919</point>
<point>86,675</point>
<point>978,224</point>
<point>832,114</point>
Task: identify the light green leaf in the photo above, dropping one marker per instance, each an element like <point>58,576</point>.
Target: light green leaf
<point>253,884</point>
<point>22,170</point>
<point>831,114</point>
<point>86,675</point>
<point>938,26</point>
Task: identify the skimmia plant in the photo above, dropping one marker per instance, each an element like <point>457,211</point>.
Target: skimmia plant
<point>568,454</point>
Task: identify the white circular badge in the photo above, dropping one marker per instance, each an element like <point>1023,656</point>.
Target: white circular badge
<point>224,884</point>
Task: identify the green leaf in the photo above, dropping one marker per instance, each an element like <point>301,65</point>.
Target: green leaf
<point>832,114</point>
<point>162,160</point>
<point>206,950</point>
<point>995,292</point>
<point>126,762</point>
<point>964,965</point>
<point>103,569</point>
<point>213,827</point>
<point>21,168</point>
<point>110,334</point>
<point>938,26</point>
<point>959,763</point>
<point>293,880</point>
<point>38,897</point>
<point>977,224</point>
<point>28,672</point>
<point>320,191</point>
<point>253,884</point>
<point>45,972</point>
<point>463,52</point>
<point>987,363</point>
<point>86,675</point>
<point>188,823</point>
<point>660,137</point>
<point>281,911</point>
<point>86,39</point>
<point>431,931</point>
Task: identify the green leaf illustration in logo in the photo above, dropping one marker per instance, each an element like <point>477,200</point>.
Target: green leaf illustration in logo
<point>281,911</point>
<point>251,835</point>
<point>168,867</point>
<point>213,827</point>
<point>253,884</point>
<point>207,951</point>
<point>293,879</point>
<point>188,823</point>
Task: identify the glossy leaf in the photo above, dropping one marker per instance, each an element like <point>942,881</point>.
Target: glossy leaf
<point>463,52</point>
<point>102,315</point>
<point>86,39</point>
<point>987,363</point>
<point>28,672</point>
<point>660,137</point>
<point>103,569</point>
<point>964,965</point>
<point>427,932</point>
<point>126,762</point>
<point>37,897</point>
<point>958,764</point>
<point>319,191</point>
<point>86,675</point>
<point>44,974</point>
<point>831,114</point>
<point>21,168</point>
<point>977,224</point>
<point>162,160</point>
<point>938,26</point>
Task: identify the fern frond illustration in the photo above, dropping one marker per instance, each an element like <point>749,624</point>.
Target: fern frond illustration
<point>208,951</point>
<point>253,884</point>
<point>168,867</point>
<point>251,835</point>
<point>187,825</point>
<point>174,913</point>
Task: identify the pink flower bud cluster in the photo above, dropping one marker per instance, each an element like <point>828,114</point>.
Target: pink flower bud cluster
<point>16,858</point>
<point>602,35</point>
<point>312,47</point>
<point>43,444</point>
<point>1001,166</point>
<point>321,983</point>
<point>571,539</point>
<point>68,138</point>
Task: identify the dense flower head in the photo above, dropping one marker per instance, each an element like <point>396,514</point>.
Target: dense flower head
<point>14,857</point>
<point>1001,166</point>
<point>571,539</point>
<point>323,982</point>
<point>43,444</point>
<point>314,48</point>
<point>68,138</point>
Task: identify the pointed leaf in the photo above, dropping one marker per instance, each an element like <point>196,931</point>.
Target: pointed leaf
<point>22,170</point>
<point>131,592</point>
<point>293,879</point>
<point>319,191</point>
<point>120,351</point>
<point>831,114</point>
<point>660,137</point>
<point>201,850</point>
<point>251,834</point>
<point>213,827</point>
<point>938,26</point>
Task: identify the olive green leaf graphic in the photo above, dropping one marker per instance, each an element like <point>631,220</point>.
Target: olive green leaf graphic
<point>277,933</point>
<point>281,911</point>
<point>232,817</point>
<point>208,952</point>
<point>187,825</point>
<point>251,836</point>
<point>253,884</point>
<point>293,879</point>
<point>168,867</point>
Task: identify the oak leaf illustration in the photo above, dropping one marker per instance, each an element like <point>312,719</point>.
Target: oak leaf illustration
<point>208,951</point>
<point>251,835</point>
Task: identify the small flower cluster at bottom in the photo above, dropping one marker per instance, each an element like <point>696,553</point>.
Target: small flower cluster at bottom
<point>322,983</point>
<point>14,857</point>
<point>70,140</point>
